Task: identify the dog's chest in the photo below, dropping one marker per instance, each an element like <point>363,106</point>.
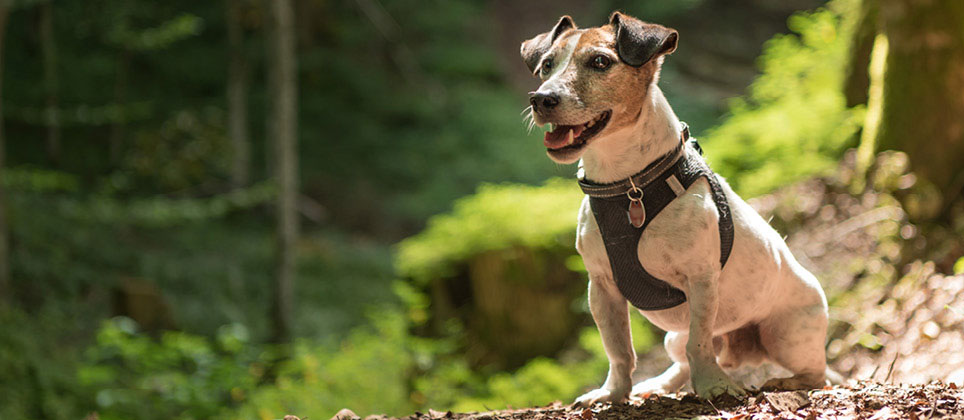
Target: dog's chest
<point>664,239</point>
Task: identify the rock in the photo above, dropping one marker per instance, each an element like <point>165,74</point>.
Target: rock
<point>344,414</point>
<point>956,377</point>
<point>439,414</point>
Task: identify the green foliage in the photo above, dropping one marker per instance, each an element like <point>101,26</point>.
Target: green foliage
<point>187,150</point>
<point>447,119</point>
<point>179,376</point>
<point>38,180</point>
<point>208,255</point>
<point>544,380</point>
<point>379,368</point>
<point>496,217</point>
<point>161,36</point>
<point>794,122</point>
<point>368,370</point>
<point>37,379</point>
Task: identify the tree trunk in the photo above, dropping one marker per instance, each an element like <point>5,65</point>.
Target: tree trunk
<point>117,128</point>
<point>283,129</point>
<point>923,94</point>
<point>48,46</point>
<point>857,80</point>
<point>5,288</point>
<point>237,93</point>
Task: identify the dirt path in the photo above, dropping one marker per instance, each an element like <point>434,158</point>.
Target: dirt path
<point>865,400</point>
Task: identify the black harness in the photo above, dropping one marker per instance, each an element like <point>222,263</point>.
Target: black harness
<point>624,209</point>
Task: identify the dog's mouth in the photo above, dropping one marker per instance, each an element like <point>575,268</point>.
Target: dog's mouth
<point>574,137</point>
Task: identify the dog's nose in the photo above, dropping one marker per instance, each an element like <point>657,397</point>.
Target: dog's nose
<point>543,100</point>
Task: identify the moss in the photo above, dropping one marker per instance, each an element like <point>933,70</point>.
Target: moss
<point>498,216</point>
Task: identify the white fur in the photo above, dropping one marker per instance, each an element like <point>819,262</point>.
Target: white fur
<point>762,283</point>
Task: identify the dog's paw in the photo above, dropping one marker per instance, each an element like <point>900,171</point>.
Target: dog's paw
<point>601,395</point>
<point>654,386</point>
<point>712,386</point>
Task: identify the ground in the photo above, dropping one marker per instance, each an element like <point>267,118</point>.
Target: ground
<point>865,400</point>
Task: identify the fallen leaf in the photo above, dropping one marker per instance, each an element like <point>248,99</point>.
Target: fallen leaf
<point>885,413</point>
<point>586,414</point>
<point>787,401</point>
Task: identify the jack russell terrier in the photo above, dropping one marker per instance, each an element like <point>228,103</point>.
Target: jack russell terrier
<point>659,230</point>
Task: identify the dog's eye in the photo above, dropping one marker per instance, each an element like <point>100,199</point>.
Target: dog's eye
<point>601,62</point>
<point>546,67</point>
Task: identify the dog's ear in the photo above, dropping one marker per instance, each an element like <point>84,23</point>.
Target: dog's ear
<point>638,42</point>
<point>533,49</point>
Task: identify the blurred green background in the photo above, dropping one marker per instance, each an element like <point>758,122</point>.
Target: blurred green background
<point>434,265</point>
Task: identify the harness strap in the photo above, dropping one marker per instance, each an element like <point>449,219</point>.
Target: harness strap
<point>660,183</point>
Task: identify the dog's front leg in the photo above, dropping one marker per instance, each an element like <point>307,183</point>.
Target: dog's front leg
<point>610,310</point>
<point>709,380</point>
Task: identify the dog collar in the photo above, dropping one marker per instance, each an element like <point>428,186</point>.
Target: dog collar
<point>634,185</point>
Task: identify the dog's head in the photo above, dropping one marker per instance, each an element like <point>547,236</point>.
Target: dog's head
<point>594,80</point>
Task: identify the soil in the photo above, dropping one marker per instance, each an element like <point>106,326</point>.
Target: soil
<point>864,400</point>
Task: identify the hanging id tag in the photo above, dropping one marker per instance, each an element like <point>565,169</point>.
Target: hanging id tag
<point>636,211</point>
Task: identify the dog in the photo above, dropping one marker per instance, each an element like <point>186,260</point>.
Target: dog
<point>740,296</point>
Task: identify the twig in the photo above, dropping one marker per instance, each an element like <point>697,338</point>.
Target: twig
<point>891,369</point>
<point>874,373</point>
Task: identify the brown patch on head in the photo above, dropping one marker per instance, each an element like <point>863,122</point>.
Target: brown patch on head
<point>622,88</point>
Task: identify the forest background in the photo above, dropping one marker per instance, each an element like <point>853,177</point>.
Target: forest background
<point>241,208</point>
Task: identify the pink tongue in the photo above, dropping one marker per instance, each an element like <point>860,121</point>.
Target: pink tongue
<point>559,137</point>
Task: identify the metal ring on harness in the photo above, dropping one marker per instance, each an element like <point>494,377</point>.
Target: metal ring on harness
<point>634,189</point>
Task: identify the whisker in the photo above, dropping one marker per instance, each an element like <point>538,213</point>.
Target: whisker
<point>529,118</point>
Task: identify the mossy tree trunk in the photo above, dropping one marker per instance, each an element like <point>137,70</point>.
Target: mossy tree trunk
<point>923,94</point>
<point>516,304</point>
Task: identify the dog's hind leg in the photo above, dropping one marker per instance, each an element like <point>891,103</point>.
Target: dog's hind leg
<point>794,339</point>
<point>709,380</point>
<point>673,378</point>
